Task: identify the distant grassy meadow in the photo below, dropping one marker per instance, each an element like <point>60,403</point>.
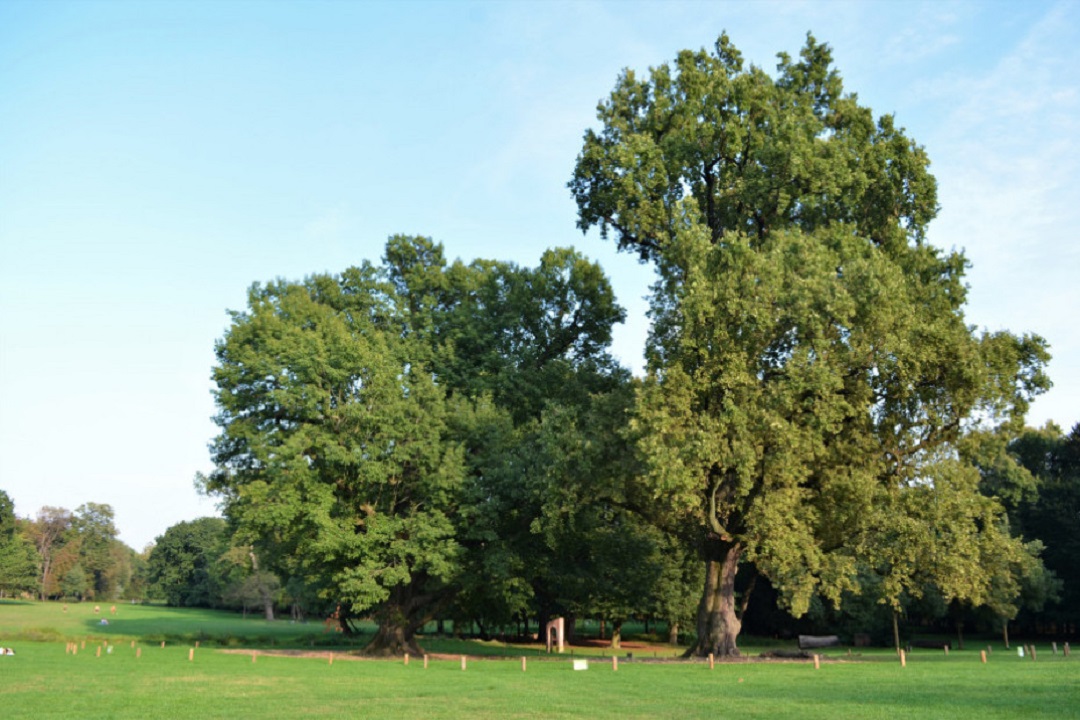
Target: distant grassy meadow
<point>121,670</point>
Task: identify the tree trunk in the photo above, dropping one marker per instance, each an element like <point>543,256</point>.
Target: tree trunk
<point>1005,631</point>
<point>895,633</point>
<point>718,623</point>
<point>396,634</point>
<point>261,588</point>
<point>959,634</point>
<point>616,634</point>
<point>673,633</point>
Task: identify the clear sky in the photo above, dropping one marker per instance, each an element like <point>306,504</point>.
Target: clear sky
<point>156,158</point>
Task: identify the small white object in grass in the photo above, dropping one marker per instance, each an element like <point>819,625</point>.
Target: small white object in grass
<point>581,664</point>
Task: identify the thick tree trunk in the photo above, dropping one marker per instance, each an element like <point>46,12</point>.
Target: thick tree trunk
<point>673,633</point>
<point>616,634</point>
<point>959,634</point>
<point>718,622</point>
<point>396,635</point>
<point>1005,631</point>
<point>896,633</point>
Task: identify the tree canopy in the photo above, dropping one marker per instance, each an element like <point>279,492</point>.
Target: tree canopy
<point>810,370</point>
<point>357,410</point>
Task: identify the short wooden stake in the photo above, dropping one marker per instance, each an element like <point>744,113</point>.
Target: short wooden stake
<point>615,663</point>
<point>982,654</point>
<point>75,649</point>
<point>1034,656</point>
<point>523,663</point>
<point>425,661</point>
<point>138,652</point>
<point>98,653</point>
<point>462,662</point>
<point>162,644</point>
<point>1066,649</point>
<point>712,661</point>
<point>253,656</point>
<point>83,644</point>
<point>989,649</point>
<point>946,650</point>
<point>817,662</point>
<point>406,659</point>
<point>132,644</point>
<point>191,654</point>
<point>1054,646</point>
<point>331,659</point>
<point>196,643</point>
<point>903,658</point>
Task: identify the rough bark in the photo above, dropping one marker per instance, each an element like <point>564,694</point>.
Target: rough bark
<point>718,622</point>
<point>673,633</point>
<point>396,634</point>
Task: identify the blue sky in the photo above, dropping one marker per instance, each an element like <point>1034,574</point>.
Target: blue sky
<point>156,158</point>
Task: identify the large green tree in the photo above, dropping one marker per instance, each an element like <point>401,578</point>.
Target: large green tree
<point>362,413</point>
<point>181,565</point>
<point>336,454</point>
<point>102,557</point>
<point>809,366</point>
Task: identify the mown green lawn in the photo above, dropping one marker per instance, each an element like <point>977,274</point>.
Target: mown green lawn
<point>44,680</point>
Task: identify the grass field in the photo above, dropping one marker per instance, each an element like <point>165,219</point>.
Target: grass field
<point>45,680</point>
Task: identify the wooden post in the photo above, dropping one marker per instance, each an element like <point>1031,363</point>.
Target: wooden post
<point>1054,645</point>
<point>98,653</point>
<point>406,659</point>
<point>138,652</point>
<point>162,644</point>
<point>523,663</point>
<point>982,656</point>
<point>615,662</point>
<point>946,650</point>
<point>1034,656</point>
<point>712,660</point>
<point>1066,649</point>
<point>191,654</point>
<point>425,661</point>
<point>903,658</point>
<point>817,661</point>
<point>331,659</point>
<point>462,662</point>
<point>253,656</point>
<point>132,644</point>
<point>74,649</point>
<point>989,649</point>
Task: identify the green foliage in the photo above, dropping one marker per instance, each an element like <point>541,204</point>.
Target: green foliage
<point>18,561</point>
<point>811,374</point>
<point>365,417</point>
<point>181,566</point>
<point>1051,518</point>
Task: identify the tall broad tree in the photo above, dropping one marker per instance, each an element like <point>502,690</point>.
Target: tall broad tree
<point>361,412</point>
<point>100,552</point>
<point>336,454</point>
<point>809,361</point>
